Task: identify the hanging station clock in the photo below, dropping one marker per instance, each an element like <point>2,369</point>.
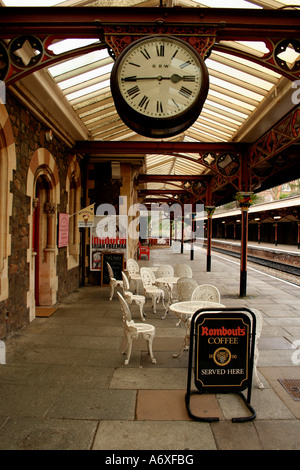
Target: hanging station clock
<point>159,85</point>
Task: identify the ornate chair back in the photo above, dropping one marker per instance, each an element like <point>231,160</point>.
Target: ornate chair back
<point>206,292</point>
<point>185,288</point>
<point>125,283</point>
<point>183,270</point>
<point>165,271</point>
<point>148,277</point>
<point>126,314</point>
<point>132,266</point>
<point>110,271</point>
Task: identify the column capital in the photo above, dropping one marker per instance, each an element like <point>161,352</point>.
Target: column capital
<point>210,210</point>
<point>49,208</point>
<point>245,199</point>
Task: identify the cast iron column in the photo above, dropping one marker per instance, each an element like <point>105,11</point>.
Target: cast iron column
<point>193,232</point>
<point>210,210</point>
<point>245,200</point>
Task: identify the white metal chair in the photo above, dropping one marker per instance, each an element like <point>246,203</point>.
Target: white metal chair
<point>157,294</point>
<point>165,271</point>
<point>185,288</point>
<point>183,270</point>
<point>206,292</point>
<point>133,272</point>
<point>132,330</point>
<point>130,297</point>
<point>113,282</point>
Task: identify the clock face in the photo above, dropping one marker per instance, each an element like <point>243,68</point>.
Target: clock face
<point>159,85</point>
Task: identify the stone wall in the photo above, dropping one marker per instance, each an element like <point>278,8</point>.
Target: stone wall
<point>29,136</point>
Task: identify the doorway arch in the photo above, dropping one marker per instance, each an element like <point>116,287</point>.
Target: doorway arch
<point>44,189</point>
<point>7,165</point>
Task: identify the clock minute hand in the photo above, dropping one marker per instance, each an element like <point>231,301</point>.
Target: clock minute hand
<point>134,78</point>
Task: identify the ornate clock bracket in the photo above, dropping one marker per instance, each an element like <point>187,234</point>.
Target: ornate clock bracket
<point>202,39</point>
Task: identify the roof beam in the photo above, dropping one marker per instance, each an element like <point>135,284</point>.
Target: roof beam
<point>145,147</point>
<point>87,22</point>
<point>160,192</point>
<point>142,178</point>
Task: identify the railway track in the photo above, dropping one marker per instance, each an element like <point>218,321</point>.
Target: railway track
<point>283,271</point>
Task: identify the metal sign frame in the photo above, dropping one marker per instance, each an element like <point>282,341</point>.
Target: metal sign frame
<point>224,340</point>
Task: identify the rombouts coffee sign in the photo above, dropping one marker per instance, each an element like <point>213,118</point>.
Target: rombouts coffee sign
<point>222,351</point>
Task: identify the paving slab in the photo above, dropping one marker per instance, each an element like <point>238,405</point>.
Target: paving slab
<point>65,385</point>
<point>82,376</point>
<point>86,403</point>
<point>236,436</point>
<point>167,405</point>
<point>149,378</point>
<point>273,375</point>
<point>29,433</point>
<point>266,404</point>
<point>154,435</point>
<point>279,435</point>
<point>28,400</point>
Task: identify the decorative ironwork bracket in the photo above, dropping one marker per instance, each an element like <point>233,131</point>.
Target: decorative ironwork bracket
<point>266,157</point>
<point>274,59</point>
<point>200,38</point>
<point>26,54</point>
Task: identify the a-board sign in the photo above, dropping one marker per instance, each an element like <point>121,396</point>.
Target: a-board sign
<point>116,261</point>
<point>222,351</point>
<point>222,345</point>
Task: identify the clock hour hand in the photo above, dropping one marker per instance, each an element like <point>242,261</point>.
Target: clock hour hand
<point>175,78</point>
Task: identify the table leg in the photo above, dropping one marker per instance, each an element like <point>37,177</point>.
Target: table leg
<point>170,300</point>
<point>186,339</point>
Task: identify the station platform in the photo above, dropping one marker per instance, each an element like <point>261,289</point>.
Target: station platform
<point>65,386</point>
<point>262,245</point>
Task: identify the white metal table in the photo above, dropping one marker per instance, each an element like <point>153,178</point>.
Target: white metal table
<point>168,282</point>
<point>185,310</point>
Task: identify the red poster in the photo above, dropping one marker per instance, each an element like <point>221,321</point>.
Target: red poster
<point>63,230</point>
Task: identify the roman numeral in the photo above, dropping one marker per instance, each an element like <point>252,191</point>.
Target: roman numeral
<point>144,102</point>
<point>176,104</point>
<point>132,63</point>
<point>185,64</point>
<point>173,56</point>
<point>189,78</point>
<point>134,91</point>
<point>185,92</point>
<point>159,107</point>
<point>145,54</point>
<point>160,50</point>
<point>129,79</point>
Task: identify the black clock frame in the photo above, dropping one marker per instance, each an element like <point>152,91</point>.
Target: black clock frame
<point>158,127</point>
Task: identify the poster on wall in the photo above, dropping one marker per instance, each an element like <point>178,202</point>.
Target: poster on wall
<point>63,229</point>
<point>108,235</point>
<point>86,217</point>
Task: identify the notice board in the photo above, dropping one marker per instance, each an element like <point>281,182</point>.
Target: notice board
<point>116,261</point>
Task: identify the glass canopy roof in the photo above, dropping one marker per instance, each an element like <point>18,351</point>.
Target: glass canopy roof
<point>238,87</point>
